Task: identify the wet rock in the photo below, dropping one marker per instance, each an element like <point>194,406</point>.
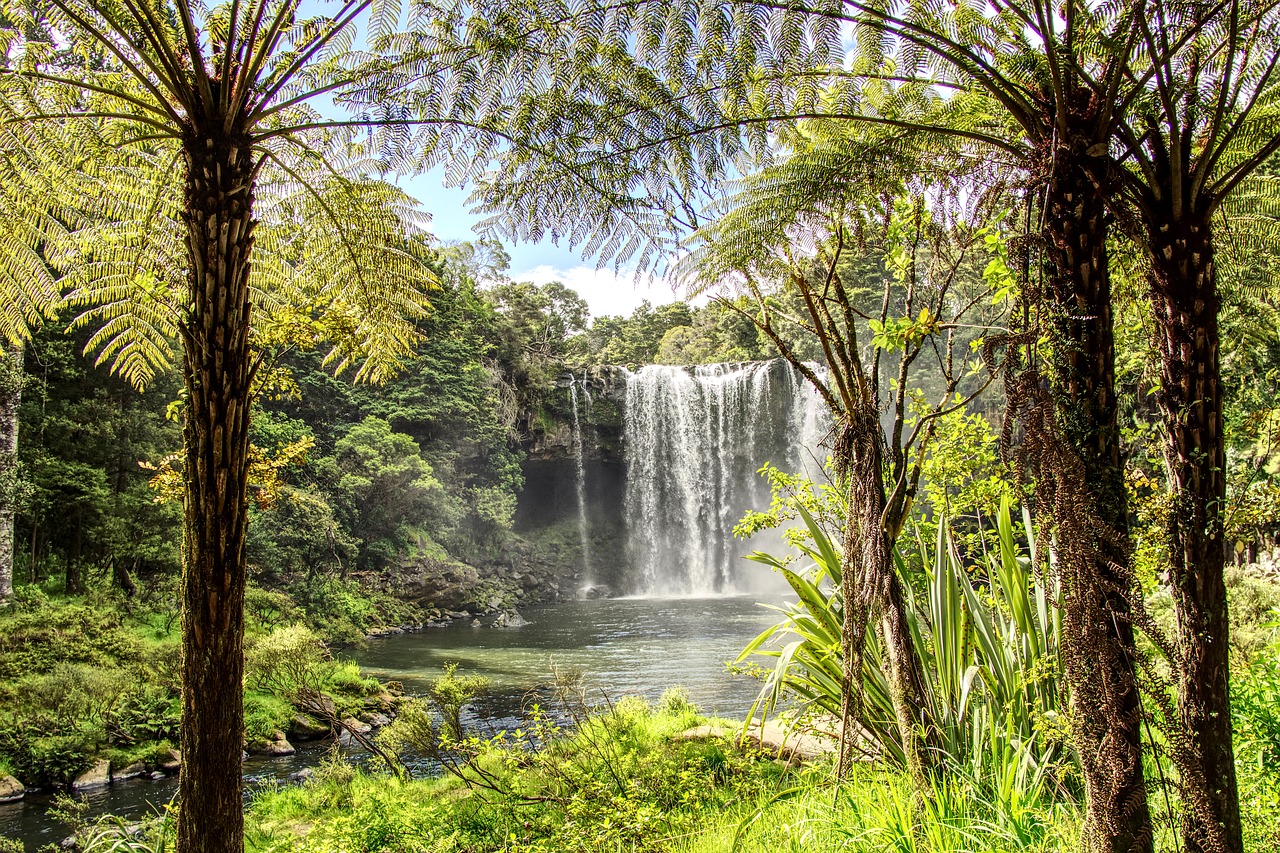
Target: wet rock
<point>174,764</point>
<point>375,719</point>
<point>302,775</point>
<point>277,746</point>
<point>97,776</point>
<point>11,789</point>
<point>357,726</point>
<point>378,633</point>
<point>69,843</point>
<point>593,591</point>
<point>133,771</point>
<point>305,727</point>
<point>510,619</point>
<point>475,623</point>
<point>156,775</point>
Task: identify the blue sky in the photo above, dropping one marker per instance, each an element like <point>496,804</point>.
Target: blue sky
<point>605,291</point>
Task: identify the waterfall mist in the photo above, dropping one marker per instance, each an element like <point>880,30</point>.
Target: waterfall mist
<point>694,439</point>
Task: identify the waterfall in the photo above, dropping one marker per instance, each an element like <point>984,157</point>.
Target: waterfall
<point>694,439</point>
<point>583,533</point>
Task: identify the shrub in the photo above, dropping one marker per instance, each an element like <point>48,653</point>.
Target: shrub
<point>145,713</point>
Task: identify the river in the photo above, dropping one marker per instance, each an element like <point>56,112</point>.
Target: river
<point>623,647</point>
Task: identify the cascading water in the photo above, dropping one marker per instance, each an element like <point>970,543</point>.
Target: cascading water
<point>583,533</point>
<point>695,439</point>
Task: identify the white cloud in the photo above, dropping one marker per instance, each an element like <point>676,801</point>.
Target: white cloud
<point>607,292</point>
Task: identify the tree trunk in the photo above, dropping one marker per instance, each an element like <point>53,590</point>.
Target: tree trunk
<point>217,370</point>
<point>870,583</point>
<point>1098,642</point>
<point>10,397</point>
<point>1185,299</point>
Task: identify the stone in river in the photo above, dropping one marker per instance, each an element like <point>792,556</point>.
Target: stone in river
<point>306,727</point>
<point>11,789</point>
<point>133,771</point>
<point>97,776</point>
<point>278,745</point>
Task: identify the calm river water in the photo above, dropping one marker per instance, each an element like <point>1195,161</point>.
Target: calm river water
<point>624,647</point>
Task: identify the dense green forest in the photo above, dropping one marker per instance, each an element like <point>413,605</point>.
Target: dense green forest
<point>1014,264</point>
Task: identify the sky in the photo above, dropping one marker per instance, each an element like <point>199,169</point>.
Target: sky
<point>607,292</point>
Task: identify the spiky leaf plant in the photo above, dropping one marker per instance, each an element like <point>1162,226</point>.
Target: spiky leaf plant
<point>991,655</point>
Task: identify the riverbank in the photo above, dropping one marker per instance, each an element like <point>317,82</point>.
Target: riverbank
<point>89,692</point>
<point>646,778</point>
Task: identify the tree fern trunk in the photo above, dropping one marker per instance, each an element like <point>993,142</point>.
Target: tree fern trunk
<point>217,369</point>
<point>1098,641</point>
<point>869,584</point>
<point>1184,294</point>
<point>10,397</point>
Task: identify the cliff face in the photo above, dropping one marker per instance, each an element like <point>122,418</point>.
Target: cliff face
<point>600,394</point>
<point>571,510</point>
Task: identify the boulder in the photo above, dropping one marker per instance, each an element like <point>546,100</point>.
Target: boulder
<point>276,746</point>
<point>174,764</point>
<point>302,775</point>
<point>11,789</point>
<point>780,742</point>
<point>360,728</point>
<point>375,718</point>
<point>156,775</point>
<point>97,776</point>
<point>510,619</point>
<point>306,727</point>
<point>133,771</point>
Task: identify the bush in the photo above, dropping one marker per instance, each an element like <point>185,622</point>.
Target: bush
<point>1255,708</point>
<point>145,713</point>
<point>264,715</point>
<point>43,753</point>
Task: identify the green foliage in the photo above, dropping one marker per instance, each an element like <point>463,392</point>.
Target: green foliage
<point>432,725</point>
<point>635,339</point>
<point>720,332</point>
<point>381,486</point>
<point>964,481</point>
<point>1255,710</point>
<point>144,713</point>
<point>991,658</point>
<point>625,779</point>
<point>343,611</point>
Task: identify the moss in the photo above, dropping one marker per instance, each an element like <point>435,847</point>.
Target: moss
<point>264,715</point>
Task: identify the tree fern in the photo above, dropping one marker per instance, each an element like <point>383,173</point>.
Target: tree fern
<point>192,200</point>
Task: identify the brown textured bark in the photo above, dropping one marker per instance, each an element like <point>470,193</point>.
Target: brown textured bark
<point>1186,302</point>
<point>217,371</point>
<point>870,583</point>
<point>1099,661</point>
<point>10,397</point>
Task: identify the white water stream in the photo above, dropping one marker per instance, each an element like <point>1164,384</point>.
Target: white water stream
<point>588,570</point>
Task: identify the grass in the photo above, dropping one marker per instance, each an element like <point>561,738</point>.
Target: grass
<point>626,781</point>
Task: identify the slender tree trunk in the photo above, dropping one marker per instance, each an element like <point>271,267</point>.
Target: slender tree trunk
<point>1098,658</point>
<point>870,583</point>
<point>217,371</point>
<point>1185,297</point>
<point>10,398</point>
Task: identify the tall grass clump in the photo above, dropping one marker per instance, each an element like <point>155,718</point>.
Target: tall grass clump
<point>988,629</point>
